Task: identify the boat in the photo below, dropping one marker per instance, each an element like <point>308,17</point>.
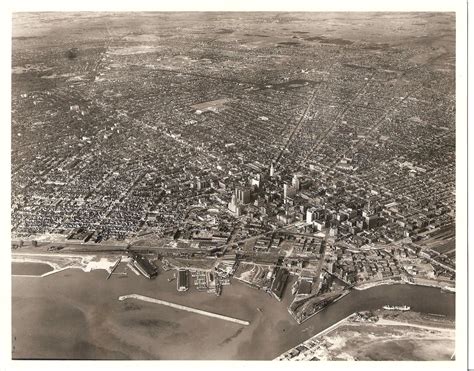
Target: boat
<point>402,308</point>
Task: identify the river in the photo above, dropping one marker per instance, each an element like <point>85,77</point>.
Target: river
<point>76,315</point>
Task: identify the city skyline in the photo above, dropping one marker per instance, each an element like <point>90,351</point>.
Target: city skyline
<point>272,171</point>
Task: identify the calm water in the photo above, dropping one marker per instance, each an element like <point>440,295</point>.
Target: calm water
<point>30,269</point>
<point>76,315</point>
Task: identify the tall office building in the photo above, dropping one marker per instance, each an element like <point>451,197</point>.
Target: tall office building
<point>242,195</point>
<point>311,215</point>
<point>233,204</point>
<point>288,191</point>
<point>296,182</point>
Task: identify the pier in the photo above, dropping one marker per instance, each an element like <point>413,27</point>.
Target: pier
<point>114,267</point>
<point>183,307</point>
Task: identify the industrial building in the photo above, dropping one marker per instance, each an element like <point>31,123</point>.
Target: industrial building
<point>182,283</point>
<point>279,282</point>
<point>144,266</point>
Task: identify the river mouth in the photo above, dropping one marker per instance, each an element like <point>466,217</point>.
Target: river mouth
<point>45,327</point>
<point>30,269</point>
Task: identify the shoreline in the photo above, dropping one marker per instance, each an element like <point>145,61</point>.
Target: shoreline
<point>322,332</point>
<point>131,320</point>
<point>86,263</point>
<point>381,321</point>
<point>366,286</point>
<point>345,293</point>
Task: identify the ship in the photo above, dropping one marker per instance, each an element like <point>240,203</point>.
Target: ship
<point>402,308</point>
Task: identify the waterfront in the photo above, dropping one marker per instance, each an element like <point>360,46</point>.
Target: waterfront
<point>240,145</point>
<point>381,335</point>
<point>77,315</point>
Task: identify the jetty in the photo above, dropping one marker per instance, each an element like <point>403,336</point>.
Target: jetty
<point>183,307</point>
<point>114,267</point>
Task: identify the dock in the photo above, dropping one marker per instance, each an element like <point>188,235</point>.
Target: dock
<point>114,267</point>
<point>183,307</point>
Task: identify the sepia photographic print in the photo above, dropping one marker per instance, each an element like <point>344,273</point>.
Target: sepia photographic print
<point>234,185</point>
